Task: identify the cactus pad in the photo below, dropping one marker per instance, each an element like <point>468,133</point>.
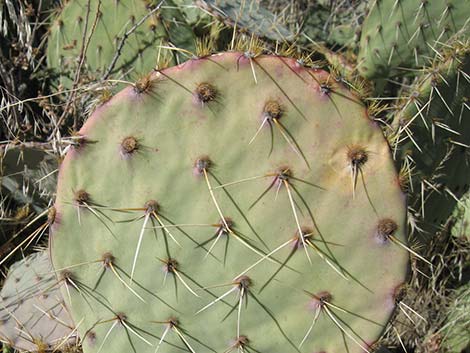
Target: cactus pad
<point>237,202</point>
<point>401,34</point>
<point>461,218</point>
<point>104,32</point>
<point>432,131</point>
<point>33,315</point>
<point>456,331</point>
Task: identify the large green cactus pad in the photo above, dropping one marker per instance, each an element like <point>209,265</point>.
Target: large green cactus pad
<point>228,183</point>
<point>402,34</point>
<point>33,315</point>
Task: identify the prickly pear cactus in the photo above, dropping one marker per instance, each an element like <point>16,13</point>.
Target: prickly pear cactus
<point>109,22</point>
<point>33,316</point>
<point>237,202</point>
<point>456,331</point>
<point>401,34</point>
<point>431,135</point>
<point>460,218</point>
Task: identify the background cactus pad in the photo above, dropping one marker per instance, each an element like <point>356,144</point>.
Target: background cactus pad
<point>402,34</point>
<point>33,316</point>
<point>112,45</point>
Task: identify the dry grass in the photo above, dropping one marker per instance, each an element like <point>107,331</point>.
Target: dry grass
<point>430,293</point>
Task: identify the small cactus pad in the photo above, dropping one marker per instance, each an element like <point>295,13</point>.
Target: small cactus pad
<point>460,218</point>
<point>456,332</point>
<point>33,316</point>
<point>255,199</point>
<point>401,34</point>
<point>431,131</point>
<point>104,33</point>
